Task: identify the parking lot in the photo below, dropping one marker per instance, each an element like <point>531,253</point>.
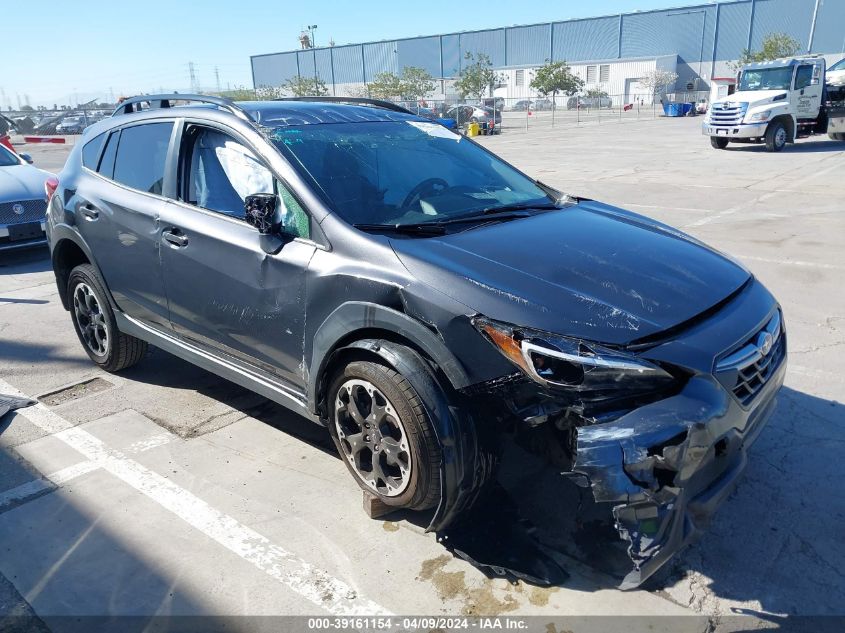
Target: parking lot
<point>166,490</point>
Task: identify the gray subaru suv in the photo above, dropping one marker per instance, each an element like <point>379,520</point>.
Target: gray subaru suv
<point>422,299</point>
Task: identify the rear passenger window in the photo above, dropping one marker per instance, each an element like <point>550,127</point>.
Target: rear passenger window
<point>106,167</point>
<point>141,156</point>
<point>91,151</point>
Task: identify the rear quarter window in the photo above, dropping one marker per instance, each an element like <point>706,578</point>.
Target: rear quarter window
<point>91,151</point>
<point>141,156</point>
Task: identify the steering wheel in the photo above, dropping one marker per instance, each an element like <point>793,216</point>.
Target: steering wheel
<point>429,184</point>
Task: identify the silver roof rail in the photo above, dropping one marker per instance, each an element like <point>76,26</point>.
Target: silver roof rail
<point>133,104</point>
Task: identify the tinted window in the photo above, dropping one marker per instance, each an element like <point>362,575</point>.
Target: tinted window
<point>91,151</point>
<point>141,155</point>
<point>804,77</point>
<point>840,65</point>
<point>223,172</point>
<point>7,159</point>
<point>106,167</point>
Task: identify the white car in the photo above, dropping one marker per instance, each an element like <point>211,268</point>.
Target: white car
<point>836,74</point>
<point>22,201</point>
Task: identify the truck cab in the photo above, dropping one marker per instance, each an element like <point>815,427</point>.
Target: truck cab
<point>775,103</point>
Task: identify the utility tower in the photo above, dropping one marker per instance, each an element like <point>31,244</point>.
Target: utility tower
<point>195,87</point>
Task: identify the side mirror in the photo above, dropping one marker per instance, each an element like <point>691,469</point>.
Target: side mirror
<point>260,212</point>
<point>27,158</point>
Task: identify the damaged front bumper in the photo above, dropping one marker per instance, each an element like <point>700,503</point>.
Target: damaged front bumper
<point>667,466</point>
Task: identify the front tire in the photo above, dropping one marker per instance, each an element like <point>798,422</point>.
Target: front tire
<point>718,143</point>
<point>837,136</point>
<point>95,325</point>
<point>383,434</point>
<point>776,137</point>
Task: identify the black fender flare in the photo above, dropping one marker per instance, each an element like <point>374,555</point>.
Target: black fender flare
<point>63,232</point>
<point>354,316</point>
<point>464,468</point>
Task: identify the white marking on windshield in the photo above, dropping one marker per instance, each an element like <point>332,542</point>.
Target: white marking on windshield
<point>436,130</point>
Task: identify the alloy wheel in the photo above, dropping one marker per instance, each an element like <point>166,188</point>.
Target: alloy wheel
<point>90,319</point>
<point>372,437</point>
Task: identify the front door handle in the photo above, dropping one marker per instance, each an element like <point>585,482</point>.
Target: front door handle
<point>89,211</point>
<point>174,238</point>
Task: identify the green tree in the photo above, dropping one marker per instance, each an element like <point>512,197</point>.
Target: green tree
<point>306,87</point>
<point>476,77</point>
<point>386,85</point>
<point>555,77</point>
<point>774,46</point>
<point>658,81</point>
<point>417,83</point>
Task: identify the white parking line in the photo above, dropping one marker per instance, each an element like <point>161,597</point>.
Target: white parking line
<point>315,585</point>
<point>32,489</point>
<point>159,439</point>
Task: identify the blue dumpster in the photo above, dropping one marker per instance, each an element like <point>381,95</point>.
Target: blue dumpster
<point>677,109</point>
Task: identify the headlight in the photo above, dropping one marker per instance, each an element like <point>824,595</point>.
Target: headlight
<point>760,116</point>
<point>575,365</point>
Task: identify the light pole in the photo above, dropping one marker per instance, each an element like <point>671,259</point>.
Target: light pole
<point>311,28</point>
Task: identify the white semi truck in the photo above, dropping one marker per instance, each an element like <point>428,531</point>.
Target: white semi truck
<point>778,101</point>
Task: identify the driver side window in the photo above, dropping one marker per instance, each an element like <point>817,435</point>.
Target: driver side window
<point>221,173</point>
<point>803,77</point>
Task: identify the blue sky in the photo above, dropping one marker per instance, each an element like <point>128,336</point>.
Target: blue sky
<point>63,51</point>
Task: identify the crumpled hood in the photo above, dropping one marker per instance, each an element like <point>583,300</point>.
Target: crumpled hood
<point>589,271</point>
<point>21,182</point>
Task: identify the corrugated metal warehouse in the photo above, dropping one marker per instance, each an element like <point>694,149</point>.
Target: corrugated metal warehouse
<point>609,52</point>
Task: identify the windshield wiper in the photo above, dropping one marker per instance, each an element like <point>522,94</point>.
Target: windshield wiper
<point>421,228</point>
<point>490,214</point>
<point>520,206</point>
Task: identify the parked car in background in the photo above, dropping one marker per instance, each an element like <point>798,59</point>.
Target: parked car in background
<point>424,301</point>
<point>522,106</point>
<point>497,103</point>
<point>429,113</point>
<point>464,114</point>
<point>72,125</point>
<point>701,106</point>
<point>836,74</point>
<point>588,102</point>
<point>543,104</point>
<point>22,203</point>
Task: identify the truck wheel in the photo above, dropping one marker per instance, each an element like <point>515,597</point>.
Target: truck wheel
<point>384,436</point>
<point>776,137</point>
<point>837,136</point>
<point>95,325</point>
<point>718,143</point>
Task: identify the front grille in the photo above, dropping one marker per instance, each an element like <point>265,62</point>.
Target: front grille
<point>33,211</point>
<point>727,114</point>
<point>746,370</point>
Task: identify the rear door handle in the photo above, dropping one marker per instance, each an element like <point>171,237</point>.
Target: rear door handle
<point>175,238</point>
<point>89,211</point>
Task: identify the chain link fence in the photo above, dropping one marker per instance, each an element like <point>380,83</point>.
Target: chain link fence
<point>493,115</point>
<point>497,115</point>
<point>64,122</point>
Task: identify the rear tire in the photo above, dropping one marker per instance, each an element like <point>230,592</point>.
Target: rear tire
<point>718,143</point>
<point>837,136</point>
<point>776,137</point>
<point>95,325</point>
<point>383,434</point>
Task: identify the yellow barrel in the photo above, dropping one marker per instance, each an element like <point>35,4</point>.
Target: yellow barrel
<point>473,129</point>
